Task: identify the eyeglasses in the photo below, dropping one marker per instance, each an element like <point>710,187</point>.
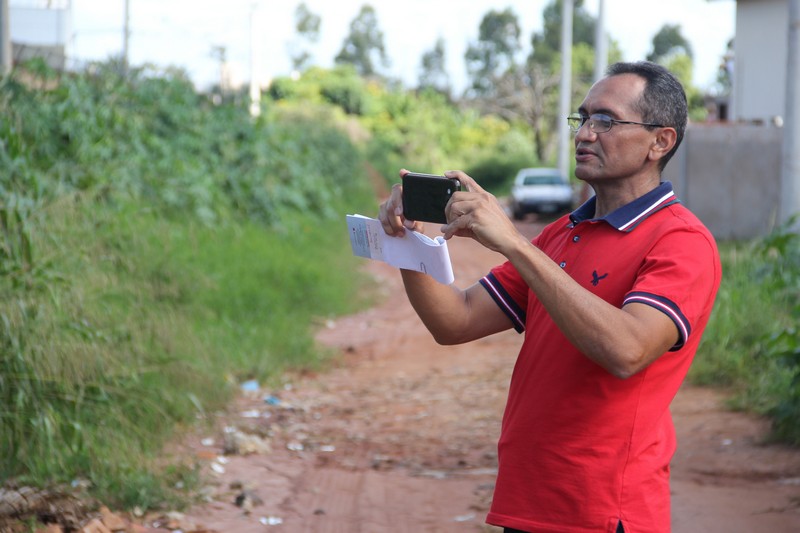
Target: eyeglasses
<point>599,123</point>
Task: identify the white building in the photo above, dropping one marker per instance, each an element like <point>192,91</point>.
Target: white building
<point>41,28</point>
<point>761,53</point>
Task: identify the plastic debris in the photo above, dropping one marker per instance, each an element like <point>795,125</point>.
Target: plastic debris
<point>247,499</point>
<point>271,520</point>
<point>272,400</point>
<point>239,443</point>
<point>81,484</point>
<point>249,386</point>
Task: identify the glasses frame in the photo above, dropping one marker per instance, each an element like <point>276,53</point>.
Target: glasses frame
<point>611,121</point>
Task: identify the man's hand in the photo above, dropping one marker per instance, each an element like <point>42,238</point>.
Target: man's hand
<point>391,213</point>
<point>477,214</point>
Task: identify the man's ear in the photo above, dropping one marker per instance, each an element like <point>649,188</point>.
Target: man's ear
<point>663,142</point>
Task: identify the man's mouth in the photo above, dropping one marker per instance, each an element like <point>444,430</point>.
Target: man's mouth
<point>584,154</point>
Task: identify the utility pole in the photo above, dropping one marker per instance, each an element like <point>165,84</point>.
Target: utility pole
<point>600,42</point>
<point>790,172</point>
<point>5,39</point>
<point>255,89</point>
<point>566,87</point>
<point>126,36</point>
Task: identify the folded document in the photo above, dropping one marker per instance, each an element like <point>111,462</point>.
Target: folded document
<point>413,251</point>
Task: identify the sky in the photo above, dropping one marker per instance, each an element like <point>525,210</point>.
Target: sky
<point>183,32</point>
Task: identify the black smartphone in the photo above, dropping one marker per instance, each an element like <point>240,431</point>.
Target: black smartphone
<point>426,195</point>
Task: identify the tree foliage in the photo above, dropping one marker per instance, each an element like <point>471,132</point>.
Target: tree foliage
<point>422,130</point>
<point>544,68</point>
<point>527,91</point>
<point>494,53</point>
<point>364,47</point>
<point>546,46</point>
<point>669,41</point>
<point>433,74</point>
<point>307,25</point>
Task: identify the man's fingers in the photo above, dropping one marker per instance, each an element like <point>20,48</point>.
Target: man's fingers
<point>467,183</point>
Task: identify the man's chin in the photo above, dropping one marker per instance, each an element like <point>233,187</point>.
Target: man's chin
<point>582,173</point>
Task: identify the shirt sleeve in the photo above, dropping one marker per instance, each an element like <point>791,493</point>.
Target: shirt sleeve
<point>509,290</point>
<point>679,276</point>
<point>501,286</point>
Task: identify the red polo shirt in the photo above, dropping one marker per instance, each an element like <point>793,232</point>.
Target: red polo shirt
<point>579,448</point>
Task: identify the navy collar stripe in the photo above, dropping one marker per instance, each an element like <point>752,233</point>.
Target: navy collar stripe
<point>627,217</point>
<point>654,207</point>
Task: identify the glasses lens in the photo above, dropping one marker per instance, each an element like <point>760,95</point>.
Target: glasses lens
<point>600,123</point>
<point>575,121</point>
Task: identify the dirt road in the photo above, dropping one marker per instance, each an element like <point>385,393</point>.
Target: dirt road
<point>399,436</point>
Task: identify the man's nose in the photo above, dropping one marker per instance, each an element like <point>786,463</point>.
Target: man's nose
<point>584,133</point>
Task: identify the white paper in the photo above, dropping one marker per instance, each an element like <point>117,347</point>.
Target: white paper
<point>413,251</point>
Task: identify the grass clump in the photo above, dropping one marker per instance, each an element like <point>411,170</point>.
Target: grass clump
<point>151,323</point>
<point>155,250</point>
<point>752,342</point>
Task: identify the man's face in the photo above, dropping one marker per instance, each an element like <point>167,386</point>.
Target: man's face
<point>623,150</point>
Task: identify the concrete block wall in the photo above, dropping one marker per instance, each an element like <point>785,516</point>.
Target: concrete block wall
<point>729,175</point>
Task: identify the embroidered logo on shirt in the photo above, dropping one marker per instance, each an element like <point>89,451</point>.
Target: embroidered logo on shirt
<point>596,279</point>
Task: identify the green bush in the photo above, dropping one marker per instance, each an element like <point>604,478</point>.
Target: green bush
<point>155,251</point>
<point>424,132</point>
<point>781,253</point>
<point>751,343</point>
<point>145,324</point>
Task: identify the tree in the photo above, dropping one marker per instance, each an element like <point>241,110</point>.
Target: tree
<point>529,91</point>
<point>363,47</point>
<point>307,25</point>
<point>544,67</point>
<point>673,51</point>
<point>669,41</point>
<point>547,45</point>
<point>432,69</point>
<point>494,53</point>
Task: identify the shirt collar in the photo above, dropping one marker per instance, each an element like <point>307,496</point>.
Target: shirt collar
<point>627,217</point>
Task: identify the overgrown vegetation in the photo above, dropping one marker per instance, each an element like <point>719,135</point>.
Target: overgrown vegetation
<point>421,131</point>
<point>752,342</point>
<point>158,248</point>
<point>155,251</point>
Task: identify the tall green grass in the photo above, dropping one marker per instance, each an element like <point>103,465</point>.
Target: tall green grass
<point>145,323</point>
<point>743,313</point>
<point>752,343</point>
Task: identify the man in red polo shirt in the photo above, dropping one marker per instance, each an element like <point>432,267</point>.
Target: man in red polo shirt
<point>613,300</point>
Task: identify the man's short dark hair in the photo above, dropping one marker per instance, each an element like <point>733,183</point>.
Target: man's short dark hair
<point>663,100</point>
